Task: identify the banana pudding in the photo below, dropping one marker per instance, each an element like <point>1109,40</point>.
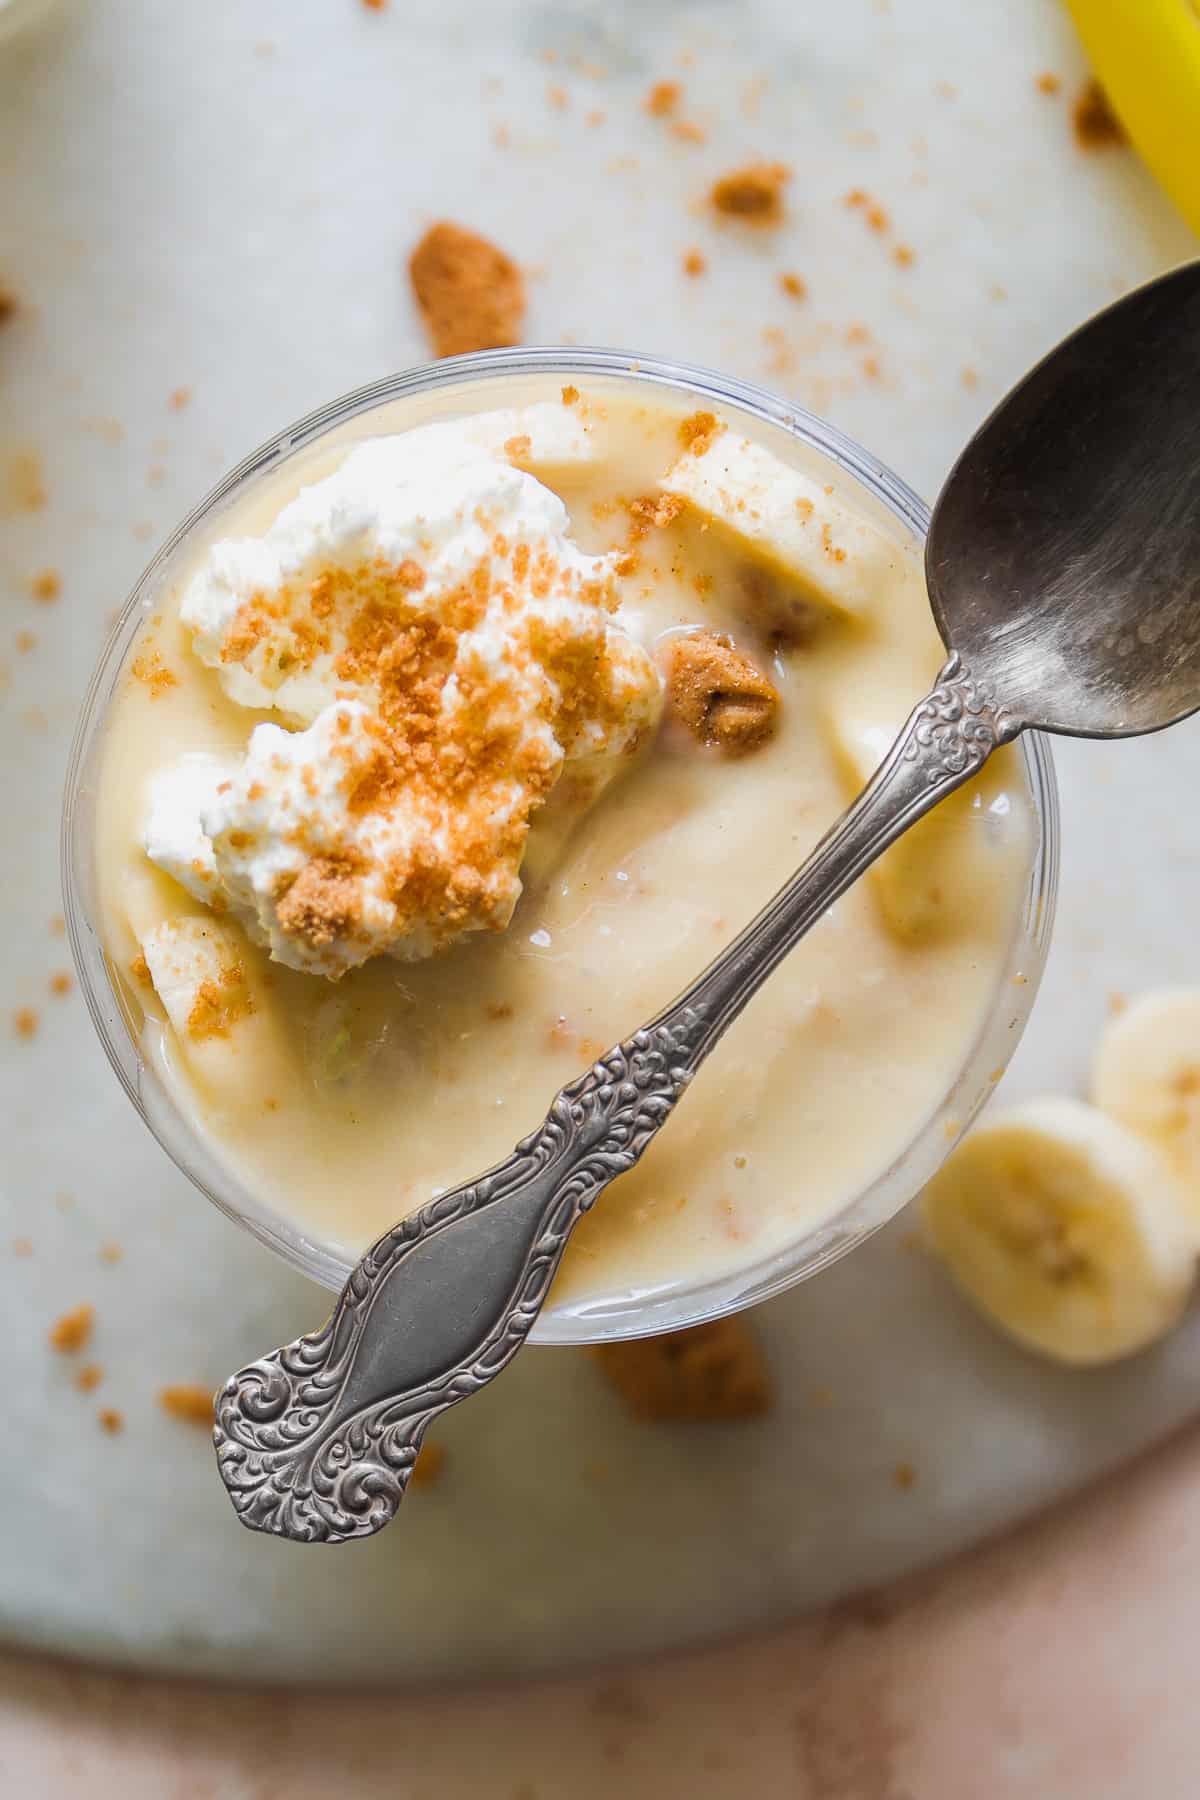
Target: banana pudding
<point>459,741</point>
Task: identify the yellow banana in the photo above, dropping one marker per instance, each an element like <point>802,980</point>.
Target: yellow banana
<point>1146,54</point>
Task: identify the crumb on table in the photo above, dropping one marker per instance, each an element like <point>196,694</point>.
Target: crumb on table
<point>46,586</point>
<point>89,1377</point>
<point>61,983</point>
<point>714,1371</point>
<point>188,1401</point>
<point>794,286</point>
<point>694,262</point>
<point>1048,83</point>
<point>111,1420</point>
<point>73,1329</point>
<point>25,1022</point>
<point>753,193</point>
<point>470,294</point>
<point>663,98</point>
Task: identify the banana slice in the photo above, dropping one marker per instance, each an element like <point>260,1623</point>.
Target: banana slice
<point>937,877</point>
<point>792,524</point>
<point>1147,1076</point>
<point>213,999</point>
<point>548,439</point>
<point>1066,1230</point>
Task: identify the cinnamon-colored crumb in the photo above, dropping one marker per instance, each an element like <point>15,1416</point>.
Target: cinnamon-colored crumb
<point>22,1246</point>
<point>25,1022</point>
<point>970,378</point>
<point>904,256</point>
<point>663,98</point>
<point>595,117</point>
<point>689,132</point>
<point>497,1010</point>
<point>654,510</point>
<point>139,968</point>
<point>870,368</point>
<point>876,217</point>
<point>323,903</point>
<point>25,641</point>
<point>695,262</point>
<point>794,286</point>
<point>8,303</point>
<point>904,1475</point>
<point>718,694</point>
<point>470,294</point>
<point>1117,1001</point>
<point>148,667</point>
<point>178,398</point>
<point>221,1003</point>
<point>375,5</point>
<point>111,1253</point>
<point>73,1330</point>
<point>713,1371</point>
<point>26,482</point>
<point>46,586</point>
<point>111,1420</point>
<point>558,97</point>
<point>754,193</point>
<point>58,925</point>
<point>89,1377</point>
<point>699,431</point>
<point>61,982</point>
<point>1096,125</point>
<point>570,395</point>
<point>429,1466</point>
<point>188,1401</point>
<point>1048,83</point>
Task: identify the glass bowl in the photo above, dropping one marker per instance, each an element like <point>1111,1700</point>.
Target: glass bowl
<point>430,392</point>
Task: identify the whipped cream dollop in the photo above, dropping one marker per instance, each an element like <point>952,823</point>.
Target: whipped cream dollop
<point>440,650</point>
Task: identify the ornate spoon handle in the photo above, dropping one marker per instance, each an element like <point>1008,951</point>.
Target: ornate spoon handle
<point>317,1440</point>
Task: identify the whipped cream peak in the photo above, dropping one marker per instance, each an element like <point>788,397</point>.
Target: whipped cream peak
<point>447,648</point>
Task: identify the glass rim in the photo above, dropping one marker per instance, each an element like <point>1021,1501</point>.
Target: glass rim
<point>680,1304</point>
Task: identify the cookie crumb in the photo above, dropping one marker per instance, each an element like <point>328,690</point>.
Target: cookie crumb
<point>698,432</point>
<point>149,668</point>
<point>570,396</point>
<point>58,925</point>
<point>1117,1001</point>
<point>470,294</point>
<point>46,586</point>
<point>429,1466</point>
<point>794,286</point>
<point>714,1371</point>
<point>689,132</point>
<point>111,1253</point>
<point>61,982</point>
<point>73,1330</point>
<point>1096,125</point>
<point>1048,83</point>
<point>663,98</point>
<point>8,303</point>
<point>695,262</point>
<point>178,398</point>
<point>89,1377</point>
<point>111,1420</point>
<point>139,968</point>
<point>753,193</point>
<point>27,482</point>
<point>904,256</point>
<point>188,1401</point>
<point>498,1010</point>
<point>719,696</point>
<point>970,378</point>
<point>22,1246</point>
<point>904,1476</point>
<point>25,1022</point>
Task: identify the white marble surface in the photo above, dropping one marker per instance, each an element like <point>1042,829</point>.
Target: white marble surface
<point>219,198</point>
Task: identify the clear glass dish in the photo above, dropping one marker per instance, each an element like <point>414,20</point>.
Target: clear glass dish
<point>434,391</point>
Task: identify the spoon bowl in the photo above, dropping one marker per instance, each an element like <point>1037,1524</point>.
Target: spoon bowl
<point>1063,557</point>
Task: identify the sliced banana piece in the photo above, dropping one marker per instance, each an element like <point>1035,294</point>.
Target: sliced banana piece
<point>785,520</point>
<point>548,439</point>
<point>1147,1076</point>
<point>1067,1230</point>
<point>214,1002</point>
<point>924,884</point>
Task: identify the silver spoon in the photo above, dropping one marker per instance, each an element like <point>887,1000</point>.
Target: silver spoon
<point>1063,565</point>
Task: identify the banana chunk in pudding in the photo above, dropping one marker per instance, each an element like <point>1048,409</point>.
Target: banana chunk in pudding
<point>471,740</point>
